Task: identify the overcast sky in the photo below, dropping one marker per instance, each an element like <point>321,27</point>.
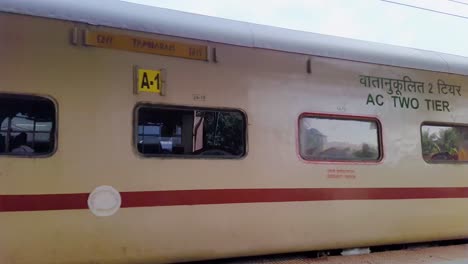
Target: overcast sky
<point>371,20</point>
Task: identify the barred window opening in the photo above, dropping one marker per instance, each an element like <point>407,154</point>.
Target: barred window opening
<point>27,125</point>
<point>190,132</point>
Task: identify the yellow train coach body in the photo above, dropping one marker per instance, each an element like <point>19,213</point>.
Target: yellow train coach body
<point>160,136</point>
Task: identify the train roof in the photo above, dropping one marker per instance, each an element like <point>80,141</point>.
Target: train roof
<point>130,16</point>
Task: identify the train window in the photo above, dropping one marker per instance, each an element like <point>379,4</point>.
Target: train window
<point>336,138</point>
<point>444,143</point>
<point>190,132</point>
<point>27,125</point>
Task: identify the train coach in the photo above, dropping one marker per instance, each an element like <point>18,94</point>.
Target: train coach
<point>135,134</point>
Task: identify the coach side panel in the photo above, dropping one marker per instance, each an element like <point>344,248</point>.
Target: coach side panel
<point>93,91</point>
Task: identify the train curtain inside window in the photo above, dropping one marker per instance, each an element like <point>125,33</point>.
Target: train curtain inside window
<point>190,132</point>
<point>27,125</point>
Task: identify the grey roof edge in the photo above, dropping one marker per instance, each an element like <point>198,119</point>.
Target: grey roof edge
<point>124,15</point>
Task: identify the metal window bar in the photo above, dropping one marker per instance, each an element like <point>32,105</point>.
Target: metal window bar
<point>151,135</point>
<point>8,135</point>
<point>5,140</point>
<point>143,141</point>
<point>142,135</point>
<point>34,133</point>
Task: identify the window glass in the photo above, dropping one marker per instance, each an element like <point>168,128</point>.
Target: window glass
<point>27,125</point>
<point>339,139</point>
<point>21,123</point>
<point>167,131</point>
<point>447,143</point>
<point>4,124</point>
<point>43,126</point>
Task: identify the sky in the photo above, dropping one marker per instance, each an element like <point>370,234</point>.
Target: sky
<point>370,20</point>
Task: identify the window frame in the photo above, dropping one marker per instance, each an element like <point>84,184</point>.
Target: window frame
<point>341,117</point>
<point>190,108</point>
<point>54,125</point>
<point>442,124</point>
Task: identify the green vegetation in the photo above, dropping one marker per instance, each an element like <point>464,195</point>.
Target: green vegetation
<point>446,140</point>
<point>223,130</point>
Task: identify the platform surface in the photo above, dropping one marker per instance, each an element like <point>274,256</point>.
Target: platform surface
<point>456,254</point>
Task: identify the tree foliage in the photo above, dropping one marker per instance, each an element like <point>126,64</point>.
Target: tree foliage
<point>446,140</point>
<point>224,130</point>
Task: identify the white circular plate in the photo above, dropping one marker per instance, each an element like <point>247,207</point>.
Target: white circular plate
<point>104,201</point>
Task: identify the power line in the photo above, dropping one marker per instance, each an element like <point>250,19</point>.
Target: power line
<point>427,9</point>
<point>458,2</point>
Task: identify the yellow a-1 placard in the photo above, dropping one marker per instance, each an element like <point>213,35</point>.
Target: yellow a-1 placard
<point>149,81</point>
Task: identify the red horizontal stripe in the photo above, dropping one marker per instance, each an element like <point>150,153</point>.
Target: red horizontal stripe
<point>42,202</point>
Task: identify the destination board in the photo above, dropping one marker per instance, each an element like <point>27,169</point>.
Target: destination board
<point>102,39</point>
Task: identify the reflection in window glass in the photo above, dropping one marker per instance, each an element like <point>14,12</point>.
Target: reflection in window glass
<point>444,143</point>
<point>164,131</point>
<point>27,125</point>
<point>338,139</point>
